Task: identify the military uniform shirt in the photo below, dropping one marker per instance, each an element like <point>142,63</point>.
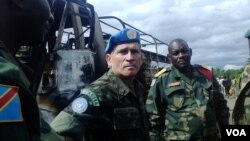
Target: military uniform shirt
<point>114,112</point>
<point>247,106</point>
<point>19,114</point>
<point>180,108</point>
<point>241,112</point>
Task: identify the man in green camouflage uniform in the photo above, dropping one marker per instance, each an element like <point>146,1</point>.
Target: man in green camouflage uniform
<point>112,107</point>
<point>184,103</point>
<point>241,112</point>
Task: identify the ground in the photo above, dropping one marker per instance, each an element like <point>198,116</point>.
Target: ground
<point>230,102</point>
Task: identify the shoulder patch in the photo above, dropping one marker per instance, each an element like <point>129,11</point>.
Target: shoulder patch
<point>92,96</point>
<point>79,105</point>
<point>10,106</point>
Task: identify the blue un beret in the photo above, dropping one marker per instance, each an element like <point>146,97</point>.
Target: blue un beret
<point>124,36</point>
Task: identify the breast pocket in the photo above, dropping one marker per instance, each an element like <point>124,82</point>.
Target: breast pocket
<point>126,118</point>
<point>175,97</point>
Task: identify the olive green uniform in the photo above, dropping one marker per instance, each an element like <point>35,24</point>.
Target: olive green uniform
<point>247,105</point>
<point>115,112</point>
<point>19,114</point>
<point>241,112</point>
<point>180,108</point>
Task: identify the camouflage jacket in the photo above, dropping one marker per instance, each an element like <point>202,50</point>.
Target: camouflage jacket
<point>113,112</point>
<point>19,114</point>
<point>241,112</point>
<point>180,108</point>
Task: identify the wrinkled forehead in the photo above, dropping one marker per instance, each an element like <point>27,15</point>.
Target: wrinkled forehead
<point>132,45</point>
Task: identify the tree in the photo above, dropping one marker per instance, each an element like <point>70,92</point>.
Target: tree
<point>232,73</point>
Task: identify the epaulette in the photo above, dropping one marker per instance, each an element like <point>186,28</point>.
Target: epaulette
<point>206,67</point>
<point>205,71</point>
<point>162,71</point>
<point>158,74</point>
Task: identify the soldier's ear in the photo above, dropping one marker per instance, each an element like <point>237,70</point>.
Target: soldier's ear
<point>108,60</point>
<point>18,3</point>
<point>169,59</point>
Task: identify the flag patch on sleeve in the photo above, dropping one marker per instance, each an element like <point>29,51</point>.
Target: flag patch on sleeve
<point>10,106</point>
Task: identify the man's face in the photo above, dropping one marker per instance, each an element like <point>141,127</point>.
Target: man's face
<point>179,55</point>
<point>125,60</point>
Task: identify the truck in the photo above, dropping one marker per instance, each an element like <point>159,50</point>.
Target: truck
<point>72,56</point>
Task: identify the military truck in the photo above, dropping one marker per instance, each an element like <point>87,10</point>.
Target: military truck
<point>73,54</point>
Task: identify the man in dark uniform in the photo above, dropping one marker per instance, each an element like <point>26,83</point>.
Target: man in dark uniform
<point>112,107</point>
<point>185,103</point>
<point>22,22</point>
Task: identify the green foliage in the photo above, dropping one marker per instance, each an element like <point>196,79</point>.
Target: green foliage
<point>228,73</point>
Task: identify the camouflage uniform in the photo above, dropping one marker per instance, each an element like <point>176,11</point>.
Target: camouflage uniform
<point>247,105</point>
<point>114,112</point>
<point>241,112</point>
<point>183,109</point>
<point>19,114</point>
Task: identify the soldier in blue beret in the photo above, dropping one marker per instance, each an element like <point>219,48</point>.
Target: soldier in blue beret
<point>124,36</point>
<point>112,107</point>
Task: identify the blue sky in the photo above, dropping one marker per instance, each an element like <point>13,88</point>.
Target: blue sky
<point>214,29</point>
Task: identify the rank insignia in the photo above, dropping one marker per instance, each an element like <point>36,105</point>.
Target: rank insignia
<point>174,84</point>
<point>10,106</point>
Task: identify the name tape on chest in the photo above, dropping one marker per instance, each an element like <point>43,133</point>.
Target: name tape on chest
<point>173,84</point>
